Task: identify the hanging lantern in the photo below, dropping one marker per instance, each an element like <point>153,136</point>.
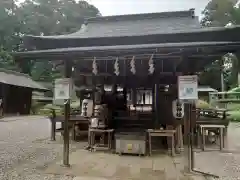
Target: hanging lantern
<point>151,65</point>
<point>132,64</point>
<point>94,67</point>
<point>116,67</point>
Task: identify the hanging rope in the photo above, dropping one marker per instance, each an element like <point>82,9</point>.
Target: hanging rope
<point>132,64</point>
<point>151,65</point>
<point>94,67</point>
<point>116,67</point>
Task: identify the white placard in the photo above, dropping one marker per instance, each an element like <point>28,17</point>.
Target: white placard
<point>188,87</point>
<point>62,89</point>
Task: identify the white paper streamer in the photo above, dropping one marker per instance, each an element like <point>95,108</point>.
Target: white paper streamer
<point>132,64</point>
<point>94,66</point>
<point>151,65</point>
<point>116,67</point>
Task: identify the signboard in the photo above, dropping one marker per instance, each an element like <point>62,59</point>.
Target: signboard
<point>62,89</point>
<point>188,87</point>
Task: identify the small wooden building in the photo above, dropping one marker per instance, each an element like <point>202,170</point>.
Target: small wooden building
<point>140,51</point>
<point>16,92</point>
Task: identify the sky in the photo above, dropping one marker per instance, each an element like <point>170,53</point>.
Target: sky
<point>118,7</point>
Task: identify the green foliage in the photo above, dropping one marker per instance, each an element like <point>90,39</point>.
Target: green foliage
<point>38,17</point>
<point>218,12</point>
<point>221,13</point>
<point>6,60</point>
<point>46,109</point>
<point>234,116</point>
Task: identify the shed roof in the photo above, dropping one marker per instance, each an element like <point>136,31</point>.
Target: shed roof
<point>206,89</point>
<point>18,79</point>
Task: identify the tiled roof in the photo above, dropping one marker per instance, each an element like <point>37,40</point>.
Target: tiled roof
<point>136,25</point>
<point>18,79</point>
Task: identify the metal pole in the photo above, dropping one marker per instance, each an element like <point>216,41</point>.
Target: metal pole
<point>222,77</point>
<point>192,163</point>
<point>189,138</point>
<point>68,70</point>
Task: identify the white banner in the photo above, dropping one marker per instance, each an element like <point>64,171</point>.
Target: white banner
<point>188,87</point>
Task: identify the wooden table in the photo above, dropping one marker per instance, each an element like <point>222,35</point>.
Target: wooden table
<point>74,120</point>
<point>161,133</point>
<point>92,136</point>
<point>204,127</point>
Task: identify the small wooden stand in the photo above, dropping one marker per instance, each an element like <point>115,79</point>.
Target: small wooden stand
<point>203,128</point>
<point>100,146</point>
<point>161,133</point>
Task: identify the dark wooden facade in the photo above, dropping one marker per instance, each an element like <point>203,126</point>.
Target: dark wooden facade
<point>16,92</point>
<point>16,100</point>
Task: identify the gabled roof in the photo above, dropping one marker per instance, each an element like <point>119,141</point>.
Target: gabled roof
<point>135,25</point>
<point>151,28</point>
<point>18,79</point>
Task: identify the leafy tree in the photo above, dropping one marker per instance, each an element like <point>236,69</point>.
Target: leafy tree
<point>218,12</point>
<point>222,13</point>
<point>39,17</point>
<point>6,60</point>
<point>9,25</point>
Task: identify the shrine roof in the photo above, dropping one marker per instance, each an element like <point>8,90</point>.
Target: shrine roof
<point>135,25</point>
<point>120,50</point>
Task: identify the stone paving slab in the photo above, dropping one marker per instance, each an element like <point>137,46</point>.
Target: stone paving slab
<point>114,167</point>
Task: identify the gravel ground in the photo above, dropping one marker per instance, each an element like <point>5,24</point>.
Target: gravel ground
<point>224,164</point>
<point>24,148</point>
<point>21,154</point>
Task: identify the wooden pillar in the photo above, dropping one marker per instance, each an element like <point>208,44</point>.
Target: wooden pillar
<point>134,96</point>
<point>179,137</point>
<point>68,73</point>
<point>169,139</point>
<point>125,95</point>
<point>4,98</point>
<point>185,124</point>
<point>156,113</point>
<point>153,106</point>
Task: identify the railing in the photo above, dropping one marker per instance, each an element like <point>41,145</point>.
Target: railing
<point>212,116</point>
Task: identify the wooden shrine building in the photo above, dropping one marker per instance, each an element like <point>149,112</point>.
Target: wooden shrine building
<point>16,92</point>
<point>140,51</point>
